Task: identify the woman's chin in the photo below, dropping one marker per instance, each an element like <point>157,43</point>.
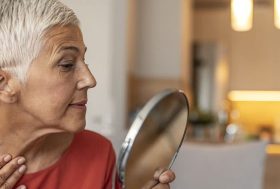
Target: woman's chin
<point>79,128</point>
<point>75,127</point>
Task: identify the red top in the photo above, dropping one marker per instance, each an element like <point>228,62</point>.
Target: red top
<point>89,163</point>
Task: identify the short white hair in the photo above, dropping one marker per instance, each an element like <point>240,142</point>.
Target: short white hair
<point>23,25</point>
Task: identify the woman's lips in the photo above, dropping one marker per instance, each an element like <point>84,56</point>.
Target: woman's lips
<point>79,105</point>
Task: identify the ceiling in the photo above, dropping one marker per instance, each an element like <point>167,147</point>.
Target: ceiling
<point>224,3</point>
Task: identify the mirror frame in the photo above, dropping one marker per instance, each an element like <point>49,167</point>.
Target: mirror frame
<point>136,127</point>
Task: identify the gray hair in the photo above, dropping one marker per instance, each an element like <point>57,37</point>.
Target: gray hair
<point>23,25</point>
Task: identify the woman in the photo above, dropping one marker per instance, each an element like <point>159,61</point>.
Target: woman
<point>43,95</point>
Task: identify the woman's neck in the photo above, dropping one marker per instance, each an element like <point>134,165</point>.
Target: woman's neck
<point>40,147</point>
<point>47,151</point>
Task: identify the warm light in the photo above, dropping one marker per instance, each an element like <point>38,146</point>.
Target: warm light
<point>254,96</point>
<point>277,13</point>
<point>241,14</point>
<point>273,149</point>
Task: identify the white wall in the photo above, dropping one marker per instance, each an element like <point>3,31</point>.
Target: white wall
<point>253,56</point>
<point>103,25</point>
<point>159,35</point>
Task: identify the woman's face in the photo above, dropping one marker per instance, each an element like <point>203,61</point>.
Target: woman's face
<point>55,94</point>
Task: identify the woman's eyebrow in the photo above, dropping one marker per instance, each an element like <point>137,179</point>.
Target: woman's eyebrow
<point>72,48</point>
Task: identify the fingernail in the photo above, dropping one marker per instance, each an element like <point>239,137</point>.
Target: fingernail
<point>21,161</point>
<point>164,178</point>
<point>7,158</point>
<point>21,187</point>
<point>22,168</point>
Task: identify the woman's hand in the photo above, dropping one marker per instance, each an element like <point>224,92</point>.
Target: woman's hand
<point>162,178</point>
<point>11,170</point>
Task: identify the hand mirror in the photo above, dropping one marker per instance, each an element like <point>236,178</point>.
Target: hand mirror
<point>154,138</point>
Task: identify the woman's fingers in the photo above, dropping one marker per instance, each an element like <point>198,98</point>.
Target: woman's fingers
<point>12,180</point>
<point>11,171</point>
<point>5,159</point>
<point>161,186</point>
<point>167,177</point>
<point>150,184</point>
<point>161,180</point>
<point>164,175</point>
<point>158,172</point>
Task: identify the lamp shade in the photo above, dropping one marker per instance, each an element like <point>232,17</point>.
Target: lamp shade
<point>277,13</point>
<point>241,15</point>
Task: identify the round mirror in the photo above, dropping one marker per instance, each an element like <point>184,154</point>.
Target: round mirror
<point>154,138</point>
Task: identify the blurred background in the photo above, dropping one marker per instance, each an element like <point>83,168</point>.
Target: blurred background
<point>223,53</point>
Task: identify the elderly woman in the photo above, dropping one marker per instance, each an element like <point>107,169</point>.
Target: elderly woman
<point>43,94</point>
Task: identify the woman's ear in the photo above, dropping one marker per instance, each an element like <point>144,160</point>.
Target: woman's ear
<point>8,88</point>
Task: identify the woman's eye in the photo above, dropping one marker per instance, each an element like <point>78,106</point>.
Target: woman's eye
<point>66,66</point>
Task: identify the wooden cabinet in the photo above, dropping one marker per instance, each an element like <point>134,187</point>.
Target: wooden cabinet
<point>272,172</point>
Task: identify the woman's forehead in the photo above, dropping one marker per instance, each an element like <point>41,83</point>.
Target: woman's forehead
<point>59,38</point>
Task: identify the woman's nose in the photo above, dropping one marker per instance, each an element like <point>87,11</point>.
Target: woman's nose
<point>87,79</point>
